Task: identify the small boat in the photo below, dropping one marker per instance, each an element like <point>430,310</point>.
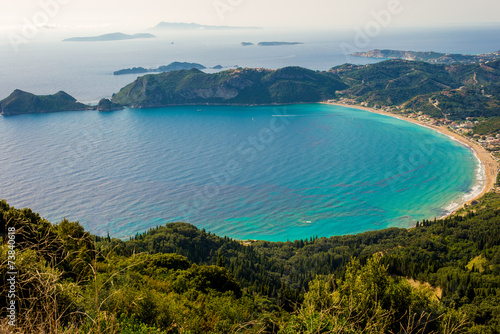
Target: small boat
<point>199,110</point>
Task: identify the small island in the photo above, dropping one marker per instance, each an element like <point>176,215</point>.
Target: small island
<point>246,44</point>
<point>175,66</point>
<point>107,105</point>
<point>20,102</point>
<point>278,43</point>
<point>117,36</point>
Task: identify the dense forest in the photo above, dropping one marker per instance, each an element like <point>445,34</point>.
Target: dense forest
<point>443,276</point>
<point>20,102</point>
<point>235,86</point>
<point>454,91</point>
<point>430,57</point>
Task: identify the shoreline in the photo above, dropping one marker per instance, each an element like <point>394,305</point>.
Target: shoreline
<point>488,166</point>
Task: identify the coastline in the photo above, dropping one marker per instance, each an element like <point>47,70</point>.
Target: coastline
<point>488,170</point>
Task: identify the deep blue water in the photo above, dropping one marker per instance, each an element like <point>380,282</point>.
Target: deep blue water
<point>274,172</point>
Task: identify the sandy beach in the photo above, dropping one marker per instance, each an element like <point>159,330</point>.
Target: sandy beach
<point>489,164</point>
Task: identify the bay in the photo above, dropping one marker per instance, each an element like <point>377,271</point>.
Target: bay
<point>267,172</point>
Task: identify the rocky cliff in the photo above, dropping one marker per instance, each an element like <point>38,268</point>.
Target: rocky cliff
<point>237,86</point>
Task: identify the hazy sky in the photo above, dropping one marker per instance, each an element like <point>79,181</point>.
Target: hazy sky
<point>142,14</point>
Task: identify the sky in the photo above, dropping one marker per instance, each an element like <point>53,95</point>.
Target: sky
<point>144,14</point>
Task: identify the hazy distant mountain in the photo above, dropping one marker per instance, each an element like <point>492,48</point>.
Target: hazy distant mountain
<point>194,26</point>
<point>117,36</point>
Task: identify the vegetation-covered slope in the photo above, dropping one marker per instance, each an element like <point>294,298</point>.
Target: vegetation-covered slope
<point>431,57</point>
<point>178,279</point>
<point>239,86</point>
<point>20,102</point>
<point>457,91</point>
<point>395,81</point>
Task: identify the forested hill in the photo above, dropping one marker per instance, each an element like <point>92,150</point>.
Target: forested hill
<point>20,102</point>
<point>458,90</point>
<point>177,279</point>
<point>395,81</point>
<point>431,57</point>
<point>237,86</point>
<point>454,91</point>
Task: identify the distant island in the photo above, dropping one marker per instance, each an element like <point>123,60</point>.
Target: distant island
<point>175,66</point>
<point>194,26</point>
<point>270,43</point>
<point>20,102</point>
<point>278,43</point>
<point>117,36</point>
<point>430,57</point>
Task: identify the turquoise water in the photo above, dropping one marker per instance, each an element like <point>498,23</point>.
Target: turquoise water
<point>272,172</point>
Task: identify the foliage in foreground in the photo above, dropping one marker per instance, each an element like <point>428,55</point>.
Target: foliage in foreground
<point>178,279</point>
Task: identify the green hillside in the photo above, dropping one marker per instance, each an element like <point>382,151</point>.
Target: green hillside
<point>394,82</point>
<point>179,279</point>
<point>456,91</point>
<point>429,56</point>
<point>20,102</point>
<point>239,86</point>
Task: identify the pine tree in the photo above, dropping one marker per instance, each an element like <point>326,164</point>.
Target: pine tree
<point>220,260</point>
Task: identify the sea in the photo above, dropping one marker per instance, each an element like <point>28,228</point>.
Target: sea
<point>45,64</point>
<point>263,172</point>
